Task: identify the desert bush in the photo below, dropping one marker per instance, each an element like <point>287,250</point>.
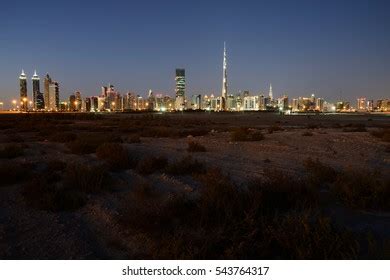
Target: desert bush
<point>148,209</point>
<point>55,165</point>
<point>9,151</point>
<point>161,132</point>
<point>257,136</point>
<point>358,127</point>
<point>12,173</point>
<point>151,164</point>
<point>244,134</point>
<point>89,142</point>
<point>134,138</point>
<point>184,166</point>
<point>86,178</point>
<point>41,194</point>
<point>226,221</point>
<point>363,189</point>
<point>274,128</point>
<point>318,172</point>
<point>63,137</point>
<point>307,133</point>
<point>195,132</point>
<point>194,147</point>
<point>240,134</point>
<point>115,155</point>
<point>280,192</point>
<point>383,134</point>
<point>15,138</point>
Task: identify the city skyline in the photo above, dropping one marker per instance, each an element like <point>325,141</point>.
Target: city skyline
<point>342,56</point>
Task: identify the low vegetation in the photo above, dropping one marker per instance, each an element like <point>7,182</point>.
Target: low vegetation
<point>150,164</point>
<point>87,143</point>
<point>10,151</point>
<point>116,156</point>
<point>263,220</point>
<point>195,147</point>
<point>244,134</point>
<point>363,189</point>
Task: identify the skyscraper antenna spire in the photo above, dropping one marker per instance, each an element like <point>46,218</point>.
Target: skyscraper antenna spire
<point>224,78</point>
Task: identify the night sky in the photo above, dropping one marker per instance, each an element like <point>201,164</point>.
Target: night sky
<point>335,49</point>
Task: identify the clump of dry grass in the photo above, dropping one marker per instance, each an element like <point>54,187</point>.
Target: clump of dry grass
<point>10,151</point>
<point>318,172</point>
<point>42,194</point>
<point>265,220</point>
<point>244,134</point>
<point>307,133</point>
<point>383,134</point>
<point>115,155</point>
<point>194,147</point>
<point>274,128</point>
<point>87,178</point>
<point>150,164</point>
<point>63,137</point>
<point>357,127</point>
<point>12,173</point>
<point>363,189</point>
<point>88,143</point>
<point>184,166</point>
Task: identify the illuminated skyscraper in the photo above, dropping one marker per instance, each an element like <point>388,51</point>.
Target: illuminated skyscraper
<point>23,91</point>
<point>271,96</point>
<point>54,97</point>
<point>180,89</point>
<point>38,100</point>
<point>47,83</point>
<point>224,79</point>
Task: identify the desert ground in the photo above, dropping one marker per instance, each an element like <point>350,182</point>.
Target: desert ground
<point>194,185</point>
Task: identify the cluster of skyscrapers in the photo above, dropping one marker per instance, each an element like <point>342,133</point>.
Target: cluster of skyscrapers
<point>48,100</point>
<point>110,100</point>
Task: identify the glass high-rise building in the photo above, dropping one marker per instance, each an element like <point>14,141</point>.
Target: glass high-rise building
<point>180,89</point>
<point>38,100</point>
<point>47,83</point>
<point>23,91</point>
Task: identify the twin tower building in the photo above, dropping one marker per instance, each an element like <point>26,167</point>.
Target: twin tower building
<point>49,100</point>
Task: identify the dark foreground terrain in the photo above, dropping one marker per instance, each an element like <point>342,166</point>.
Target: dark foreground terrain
<point>194,186</point>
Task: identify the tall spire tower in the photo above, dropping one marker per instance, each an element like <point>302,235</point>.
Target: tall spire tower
<point>23,91</point>
<point>224,78</point>
<point>270,92</point>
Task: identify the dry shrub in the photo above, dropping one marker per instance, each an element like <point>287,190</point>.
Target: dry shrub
<point>134,138</point>
<point>225,221</point>
<point>358,127</point>
<point>63,137</point>
<point>12,173</point>
<point>194,147</point>
<point>244,134</point>
<point>115,155</point>
<point>383,134</point>
<point>151,164</point>
<point>319,173</point>
<point>278,191</point>
<point>87,178</point>
<point>274,128</point>
<point>307,133</point>
<point>148,209</point>
<point>10,151</point>
<point>89,142</point>
<point>363,189</point>
<point>184,166</point>
<point>195,132</point>
<point>161,132</point>
<point>42,194</point>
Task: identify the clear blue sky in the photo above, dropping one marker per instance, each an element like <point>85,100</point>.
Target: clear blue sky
<point>331,48</point>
